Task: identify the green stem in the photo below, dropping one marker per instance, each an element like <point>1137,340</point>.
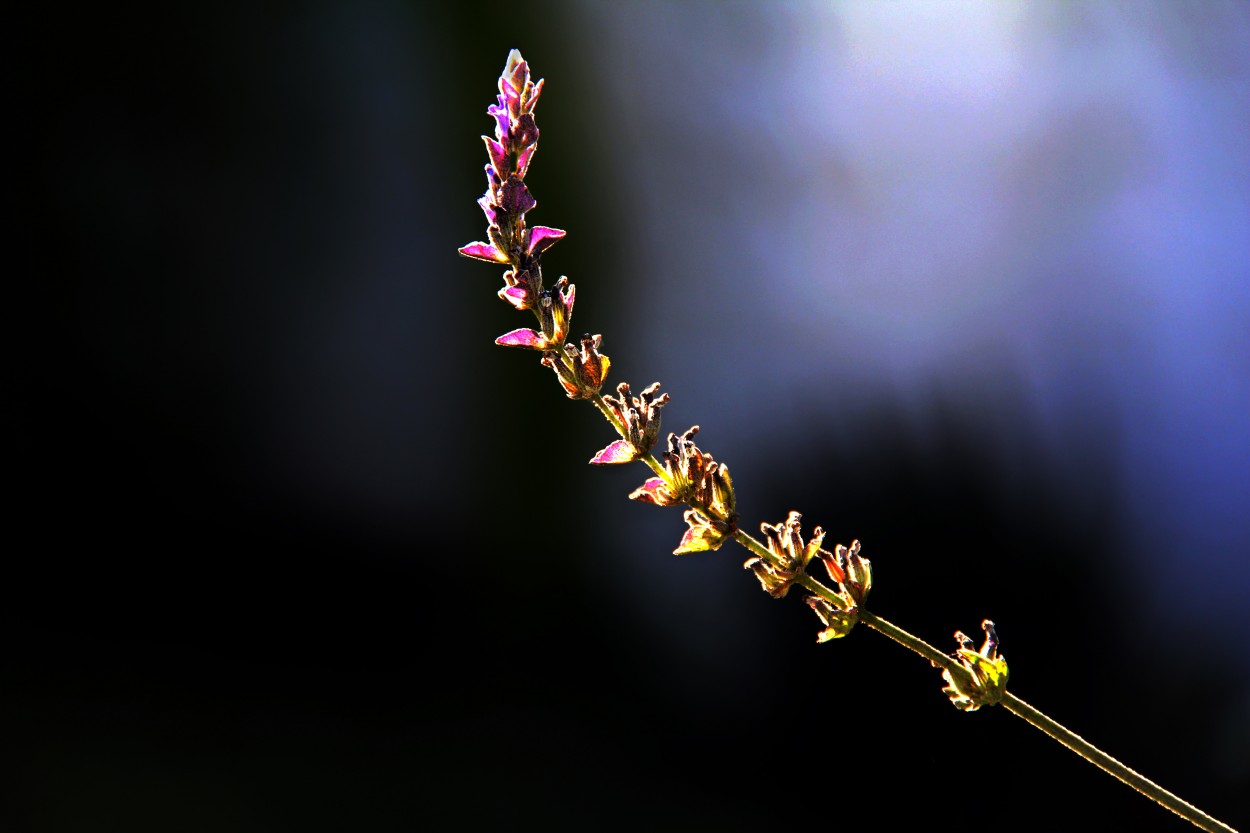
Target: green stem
<point>1112,766</point>
<point>909,641</point>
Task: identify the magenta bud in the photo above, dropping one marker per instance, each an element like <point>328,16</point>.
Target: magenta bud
<point>498,155</point>
<point>514,197</point>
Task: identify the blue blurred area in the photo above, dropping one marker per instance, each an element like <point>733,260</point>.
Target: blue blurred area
<point>299,548</point>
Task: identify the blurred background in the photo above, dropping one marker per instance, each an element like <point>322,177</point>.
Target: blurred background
<point>296,547</point>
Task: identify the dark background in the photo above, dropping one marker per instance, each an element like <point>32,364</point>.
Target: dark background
<point>296,547</point>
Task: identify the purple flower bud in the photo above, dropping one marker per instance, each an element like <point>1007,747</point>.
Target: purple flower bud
<point>510,99</point>
<point>520,290</point>
<point>555,309</point>
<point>525,131</point>
<point>523,160</point>
<point>517,296</point>
<point>515,81</point>
<point>532,92</point>
<point>498,155</point>
<point>515,198</point>
<point>488,207</point>
<point>500,113</point>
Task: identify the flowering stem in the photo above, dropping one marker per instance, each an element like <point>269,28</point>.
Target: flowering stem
<point>686,475</point>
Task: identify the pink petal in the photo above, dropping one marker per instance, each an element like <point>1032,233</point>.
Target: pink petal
<point>518,296</point>
<point>498,156</point>
<point>486,201</point>
<point>515,197</point>
<point>541,238</point>
<point>523,160</point>
<point>484,251</point>
<point>621,451</point>
<point>523,338</point>
<point>654,491</point>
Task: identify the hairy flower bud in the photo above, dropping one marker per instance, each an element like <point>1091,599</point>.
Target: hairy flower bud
<point>521,289</point>
<point>582,373</point>
<point>703,533</point>
<point>693,477</point>
<point>555,310</point>
<point>849,570</point>
<point>838,623</point>
<point>982,677</point>
<point>790,555</point>
<point>640,417</point>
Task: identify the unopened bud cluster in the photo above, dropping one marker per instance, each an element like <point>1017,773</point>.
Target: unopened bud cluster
<point>693,477</point>
<point>639,418</point>
<point>788,557</point>
<point>580,369</point>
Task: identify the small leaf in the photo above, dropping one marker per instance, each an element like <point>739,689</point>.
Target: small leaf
<point>621,451</point>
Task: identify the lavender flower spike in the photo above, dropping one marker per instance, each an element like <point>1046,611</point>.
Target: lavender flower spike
<point>507,199</point>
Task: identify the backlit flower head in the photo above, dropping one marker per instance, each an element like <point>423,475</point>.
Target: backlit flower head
<point>582,372</point>
<point>790,555</point>
<point>640,417</point>
<point>692,477</point>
